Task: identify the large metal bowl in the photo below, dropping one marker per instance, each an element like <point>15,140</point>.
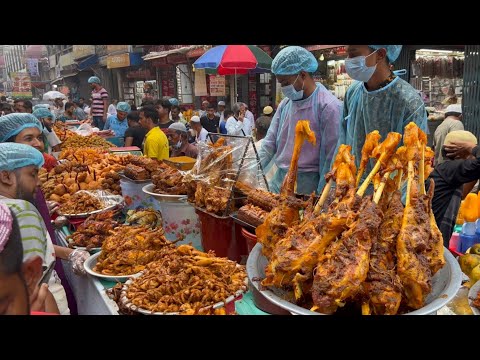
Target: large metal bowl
<point>445,285</point>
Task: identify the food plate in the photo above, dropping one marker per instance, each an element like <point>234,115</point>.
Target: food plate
<point>91,251</point>
<point>90,263</point>
<point>126,302</point>
<point>111,201</point>
<point>472,295</point>
<point>87,214</point>
<point>445,285</point>
<point>148,189</point>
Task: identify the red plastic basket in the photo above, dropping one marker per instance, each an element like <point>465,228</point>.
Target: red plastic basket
<point>222,235</point>
<point>251,239</point>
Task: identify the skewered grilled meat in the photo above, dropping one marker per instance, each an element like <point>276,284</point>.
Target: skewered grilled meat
<point>252,215</point>
<point>283,216</point>
<point>382,287</point>
<point>344,266</point>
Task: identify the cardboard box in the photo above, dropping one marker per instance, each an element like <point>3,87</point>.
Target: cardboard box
<point>183,163</point>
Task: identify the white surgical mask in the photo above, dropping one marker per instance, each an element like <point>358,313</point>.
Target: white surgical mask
<point>290,92</point>
<point>357,68</point>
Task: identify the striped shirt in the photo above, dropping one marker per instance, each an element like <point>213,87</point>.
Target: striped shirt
<point>35,239</point>
<point>97,103</point>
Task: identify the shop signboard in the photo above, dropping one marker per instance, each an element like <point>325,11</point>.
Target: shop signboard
<point>217,85</point>
<point>200,83</point>
<point>32,66</point>
<point>22,85</point>
<point>114,49</point>
<point>168,83</point>
<point>81,51</point>
<point>140,74</point>
<point>118,61</point>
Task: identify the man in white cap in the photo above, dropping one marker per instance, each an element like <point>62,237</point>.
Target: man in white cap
<point>201,133</point>
<point>220,110</point>
<point>203,108</point>
<point>268,111</point>
<point>452,122</point>
<point>178,139</point>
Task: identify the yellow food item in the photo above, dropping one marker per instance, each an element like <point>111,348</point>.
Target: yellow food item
<point>470,212</point>
<point>460,220</point>
<point>475,274</point>
<point>475,249</point>
<point>468,262</point>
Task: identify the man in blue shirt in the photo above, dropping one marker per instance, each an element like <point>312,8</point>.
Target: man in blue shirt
<point>118,123</point>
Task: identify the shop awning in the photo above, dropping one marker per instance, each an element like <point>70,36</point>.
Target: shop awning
<point>160,54</point>
<point>88,62</point>
<point>62,77</point>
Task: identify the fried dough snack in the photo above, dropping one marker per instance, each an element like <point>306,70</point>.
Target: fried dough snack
<point>80,203</point>
<point>186,280</point>
<point>78,141</point>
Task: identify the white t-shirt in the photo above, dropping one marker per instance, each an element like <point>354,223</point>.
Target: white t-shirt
<point>52,139</point>
<point>202,137</point>
<point>235,127</point>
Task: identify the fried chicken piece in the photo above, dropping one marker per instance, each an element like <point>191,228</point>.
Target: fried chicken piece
<point>382,288</point>
<point>413,267</point>
<point>371,142</point>
<point>282,217</point>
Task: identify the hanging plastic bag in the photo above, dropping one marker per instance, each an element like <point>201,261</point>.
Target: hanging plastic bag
<point>86,129</point>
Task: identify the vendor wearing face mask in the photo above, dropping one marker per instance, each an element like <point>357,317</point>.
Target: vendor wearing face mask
<point>379,100</point>
<point>178,139</point>
<point>305,99</point>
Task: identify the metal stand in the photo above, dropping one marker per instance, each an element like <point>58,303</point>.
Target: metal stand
<point>216,136</point>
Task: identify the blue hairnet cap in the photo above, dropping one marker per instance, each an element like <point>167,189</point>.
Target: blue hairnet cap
<point>392,50</point>
<point>41,113</point>
<point>94,79</point>
<point>15,156</point>
<point>174,101</point>
<point>13,124</point>
<point>41,106</point>
<point>123,106</point>
<point>293,59</point>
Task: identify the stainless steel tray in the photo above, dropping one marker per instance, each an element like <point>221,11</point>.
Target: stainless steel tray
<point>445,285</point>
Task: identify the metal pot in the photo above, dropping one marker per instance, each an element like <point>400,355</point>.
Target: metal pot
<point>445,285</point>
